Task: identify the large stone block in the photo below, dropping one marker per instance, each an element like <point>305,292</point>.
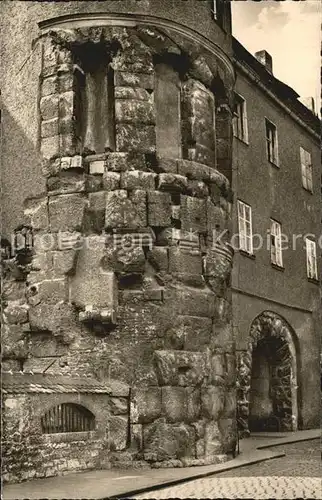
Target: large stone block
<point>49,107</point>
<point>67,182</point>
<point>140,138</point>
<point>191,301</point>
<point>64,262</point>
<point>212,402</point>
<point>230,404</point>
<point>49,86</point>
<point>228,430</point>
<point>197,188</point>
<point>185,261</point>
<point>180,368</point>
<point>222,336</point>
<point>193,404</point>
<point>213,444</point>
<point>194,170</point>
<point>197,332</point>
<point>158,258</point>
<point>121,162</point>
<point>126,211</point>
<point>134,111</point>
<point>15,313</point>
<point>174,403</point>
<point>136,435</point>
<point>96,210</point>
<point>66,212</point>
<point>231,373</point>
<point>118,432</point>
<point>50,147</point>
<point>129,79</point>
<point>56,318</point>
<point>66,103</point>
<point>50,127</point>
<point>159,209</point>
<point>93,284</point>
<point>50,291</point>
<point>173,183</point>
<point>164,441</point>
<point>119,405</point>
<point>193,214</point>
<point>13,341</point>
<point>218,368</point>
<point>111,181</point>
<point>129,259</point>
<point>216,219</point>
<point>136,179</point>
<point>145,404</point>
<point>128,92</point>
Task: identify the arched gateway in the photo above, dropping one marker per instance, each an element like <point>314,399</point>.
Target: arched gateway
<point>267,377</point>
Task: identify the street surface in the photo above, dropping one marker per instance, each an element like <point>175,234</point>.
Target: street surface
<point>297,475</point>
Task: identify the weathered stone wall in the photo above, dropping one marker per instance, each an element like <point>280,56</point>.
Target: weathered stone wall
<point>126,280</point>
<point>27,453</point>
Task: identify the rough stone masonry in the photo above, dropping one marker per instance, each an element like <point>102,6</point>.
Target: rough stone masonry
<point>122,301</point>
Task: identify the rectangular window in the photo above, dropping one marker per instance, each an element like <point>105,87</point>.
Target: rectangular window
<point>276,243</point>
<point>311,263</point>
<point>240,128</point>
<point>271,142</point>
<point>306,169</point>
<point>245,227</point>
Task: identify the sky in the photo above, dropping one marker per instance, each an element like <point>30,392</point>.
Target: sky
<point>291,32</point>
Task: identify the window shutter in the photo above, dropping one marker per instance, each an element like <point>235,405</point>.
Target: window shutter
<point>245,122</point>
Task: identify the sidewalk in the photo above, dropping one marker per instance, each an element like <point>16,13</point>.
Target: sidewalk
<point>103,484</point>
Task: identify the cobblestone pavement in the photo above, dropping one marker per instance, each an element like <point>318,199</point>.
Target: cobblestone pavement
<point>297,475</point>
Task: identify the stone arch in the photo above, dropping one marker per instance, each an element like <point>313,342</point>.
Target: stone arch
<point>270,336</point>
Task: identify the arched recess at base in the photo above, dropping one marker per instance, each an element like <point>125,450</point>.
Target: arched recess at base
<point>267,377</point>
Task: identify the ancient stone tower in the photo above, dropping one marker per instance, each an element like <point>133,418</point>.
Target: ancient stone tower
<point>117,334</point>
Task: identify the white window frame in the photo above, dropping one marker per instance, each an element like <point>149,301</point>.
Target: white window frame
<point>306,170</point>
<point>276,243</point>
<point>240,122</point>
<point>271,142</point>
<point>245,227</point>
<point>311,259</point>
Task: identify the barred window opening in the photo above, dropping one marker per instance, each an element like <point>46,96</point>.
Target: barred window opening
<point>67,417</point>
